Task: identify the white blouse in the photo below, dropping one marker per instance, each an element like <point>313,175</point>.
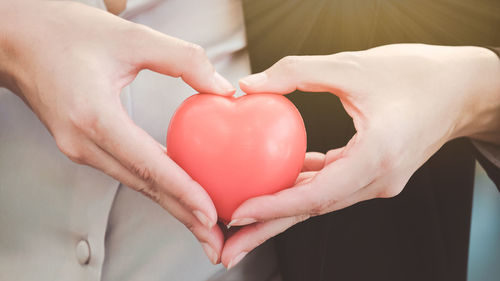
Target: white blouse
<point>63,221</point>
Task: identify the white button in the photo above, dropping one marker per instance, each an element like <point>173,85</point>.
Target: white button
<point>83,252</point>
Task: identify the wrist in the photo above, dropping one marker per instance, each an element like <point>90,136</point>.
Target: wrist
<point>480,115</point>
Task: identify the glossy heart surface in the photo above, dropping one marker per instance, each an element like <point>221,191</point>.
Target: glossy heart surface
<point>238,148</point>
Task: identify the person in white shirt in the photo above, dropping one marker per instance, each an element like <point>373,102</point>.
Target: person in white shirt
<point>75,68</point>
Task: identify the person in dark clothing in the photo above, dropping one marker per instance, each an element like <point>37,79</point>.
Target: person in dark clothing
<point>423,232</point>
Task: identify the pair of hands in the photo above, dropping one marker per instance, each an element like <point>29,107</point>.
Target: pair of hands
<point>69,63</point>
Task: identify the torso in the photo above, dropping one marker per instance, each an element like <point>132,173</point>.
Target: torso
<point>48,205</point>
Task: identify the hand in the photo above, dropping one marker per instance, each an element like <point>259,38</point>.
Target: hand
<point>69,63</point>
<point>406,101</point>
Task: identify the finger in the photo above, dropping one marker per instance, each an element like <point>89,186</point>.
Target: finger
<point>174,57</point>
<point>211,238</point>
<point>332,184</point>
<point>305,177</point>
<point>368,192</point>
<point>331,73</point>
<point>251,236</point>
<point>334,155</point>
<point>389,185</point>
<point>363,194</point>
<point>114,132</point>
<point>309,198</point>
<point>314,161</point>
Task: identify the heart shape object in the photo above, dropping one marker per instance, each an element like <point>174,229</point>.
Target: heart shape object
<point>238,148</point>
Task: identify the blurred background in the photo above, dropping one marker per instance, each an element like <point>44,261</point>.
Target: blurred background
<point>484,251</point>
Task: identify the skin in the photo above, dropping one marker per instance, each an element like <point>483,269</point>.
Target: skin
<point>69,63</point>
<point>406,101</point>
<point>428,94</point>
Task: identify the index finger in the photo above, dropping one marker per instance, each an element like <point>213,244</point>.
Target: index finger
<point>328,73</point>
<point>174,57</point>
<point>116,134</point>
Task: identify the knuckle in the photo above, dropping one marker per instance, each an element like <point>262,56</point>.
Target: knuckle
<point>191,226</point>
<point>301,218</point>
<point>195,53</point>
<point>145,174</point>
<point>151,192</point>
<point>86,120</point>
<point>76,157</point>
<point>320,206</point>
<point>321,203</point>
<point>316,211</point>
<point>199,231</point>
<point>348,58</point>
<point>289,63</point>
<point>347,61</point>
<point>383,166</point>
<point>390,191</point>
<point>72,149</point>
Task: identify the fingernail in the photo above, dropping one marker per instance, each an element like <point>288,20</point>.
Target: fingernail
<point>223,84</point>
<point>202,218</point>
<point>236,260</point>
<point>209,251</point>
<point>255,79</point>
<point>240,222</point>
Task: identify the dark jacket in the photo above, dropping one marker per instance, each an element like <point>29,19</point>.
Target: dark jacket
<point>423,233</point>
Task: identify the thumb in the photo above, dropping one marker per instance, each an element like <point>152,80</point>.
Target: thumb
<point>314,161</point>
<point>331,73</point>
<point>177,58</point>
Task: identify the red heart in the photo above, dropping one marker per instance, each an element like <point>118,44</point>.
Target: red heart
<point>238,148</point>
